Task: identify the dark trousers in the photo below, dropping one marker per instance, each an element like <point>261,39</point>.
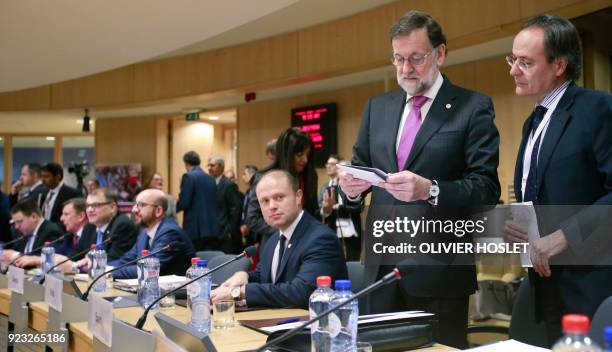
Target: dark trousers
<point>549,306</point>
<point>451,312</point>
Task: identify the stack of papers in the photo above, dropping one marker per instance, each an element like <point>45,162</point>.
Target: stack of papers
<point>164,281</point>
<point>509,345</point>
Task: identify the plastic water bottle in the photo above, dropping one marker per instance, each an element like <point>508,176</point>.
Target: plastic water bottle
<point>575,335</point>
<point>608,338</point>
<point>98,268</point>
<point>150,282</point>
<point>92,249</point>
<point>200,299</point>
<point>343,322</point>
<point>47,257</point>
<point>319,302</point>
<point>140,275</point>
<point>189,275</point>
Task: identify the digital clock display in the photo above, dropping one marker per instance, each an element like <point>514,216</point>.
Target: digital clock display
<point>319,122</point>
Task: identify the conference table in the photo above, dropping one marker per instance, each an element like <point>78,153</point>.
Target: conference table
<point>238,338</point>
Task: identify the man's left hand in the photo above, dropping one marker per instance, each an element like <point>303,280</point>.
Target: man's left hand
<point>27,261</point>
<point>407,186</point>
<point>544,248</point>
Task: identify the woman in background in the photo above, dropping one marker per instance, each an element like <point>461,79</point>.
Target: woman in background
<point>157,182</point>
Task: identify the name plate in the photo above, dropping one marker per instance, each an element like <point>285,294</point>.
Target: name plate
<point>101,319</point>
<point>54,287</point>
<point>15,279</point>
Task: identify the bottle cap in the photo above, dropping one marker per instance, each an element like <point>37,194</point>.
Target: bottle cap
<point>144,252</point>
<point>100,247</point>
<point>93,246</point>
<point>575,323</point>
<point>47,243</point>
<point>194,260</point>
<point>323,281</point>
<point>608,334</point>
<point>202,263</point>
<point>343,285</point>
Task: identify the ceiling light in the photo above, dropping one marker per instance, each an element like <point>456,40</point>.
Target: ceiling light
<point>50,138</point>
<point>86,121</point>
<point>213,117</point>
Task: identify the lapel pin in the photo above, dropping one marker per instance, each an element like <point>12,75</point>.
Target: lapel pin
<point>448,106</point>
<point>289,246</point>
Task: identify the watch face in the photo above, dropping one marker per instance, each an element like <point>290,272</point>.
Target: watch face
<point>235,292</point>
<point>434,191</point>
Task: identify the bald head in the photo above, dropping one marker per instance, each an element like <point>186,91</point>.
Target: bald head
<point>155,196</point>
<point>150,207</point>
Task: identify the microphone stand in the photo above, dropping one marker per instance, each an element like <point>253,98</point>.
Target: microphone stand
<point>387,279</point>
<point>247,253</point>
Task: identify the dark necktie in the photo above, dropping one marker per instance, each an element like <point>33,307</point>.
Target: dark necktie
<point>281,250</point>
<point>531,186</point>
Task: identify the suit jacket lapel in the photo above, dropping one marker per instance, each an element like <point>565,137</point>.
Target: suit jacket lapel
<point>293,242</point>
<point>393,114</point>
<point>555,129</point>
<point>518,168</point>
<point>437,115</point>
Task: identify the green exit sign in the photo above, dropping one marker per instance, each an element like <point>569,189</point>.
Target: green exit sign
<point>192,116</point>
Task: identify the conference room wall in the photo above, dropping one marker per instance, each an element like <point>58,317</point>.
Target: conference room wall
<point>311,53</point>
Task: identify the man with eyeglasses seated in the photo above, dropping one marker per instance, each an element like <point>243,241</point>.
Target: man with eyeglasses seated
<point>158,231</point>
<point>102,211</point>
<point>28,222</point>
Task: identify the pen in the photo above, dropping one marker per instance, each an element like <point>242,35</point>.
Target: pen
<point>287,321</point>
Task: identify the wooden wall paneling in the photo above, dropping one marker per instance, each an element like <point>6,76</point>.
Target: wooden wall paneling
<point>493,79</point>
<point>463,75</point>
<point>121,140</point>
<point>530,8</point>
<point>28,99</point>
<point>353,43</point>
<point>107,88</point>
<point>8,164</point>
<point>162,157</point>
<point>58,153</point>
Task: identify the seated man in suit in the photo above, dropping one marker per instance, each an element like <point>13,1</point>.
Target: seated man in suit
<point>103,213</point>
<point>291,260</point>
<point>36,231</point>
<point>82,233</point>
<point>29,185</point>
<point>158,231</point>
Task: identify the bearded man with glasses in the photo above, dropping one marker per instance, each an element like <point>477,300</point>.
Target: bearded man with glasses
<point>440,147</point>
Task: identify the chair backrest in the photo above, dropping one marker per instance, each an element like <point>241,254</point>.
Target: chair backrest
<point>208,255</point>
<point>356,273</point>
<point>219,276</point>
<point>601,319</point>
<point>523,326</point>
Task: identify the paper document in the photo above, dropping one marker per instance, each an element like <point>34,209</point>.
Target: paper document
<point>363,319</point>
<point>508,345</point>
<point>370,174</point>
<point>163,280</point>
<point>524,215</point>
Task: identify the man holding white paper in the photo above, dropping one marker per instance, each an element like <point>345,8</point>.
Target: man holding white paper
<point>440,147</point>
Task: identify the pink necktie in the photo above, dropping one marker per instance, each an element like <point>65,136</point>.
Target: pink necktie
<point>411,127</point>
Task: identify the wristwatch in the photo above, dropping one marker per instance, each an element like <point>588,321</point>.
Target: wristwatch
<point>434,192</point>
<point>235,293</point>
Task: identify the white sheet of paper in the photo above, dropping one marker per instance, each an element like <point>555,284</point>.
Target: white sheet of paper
<point>524,215</point>
<point>508,345</point>
<point>54,287</point>
<point>15,279</point>
<point>101,319</point>
<point>163,280</point>
<point>372,175</point>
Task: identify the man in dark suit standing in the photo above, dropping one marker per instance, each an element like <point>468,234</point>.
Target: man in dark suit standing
<point>440,147</point>
<point>229,207</point>
<point>293,257</point>
<point>198,201</point>
<point>564,167</point>
<point>157,232</point>
<point>29,223</point>
<point>29,186</point>
<point>52,175</point>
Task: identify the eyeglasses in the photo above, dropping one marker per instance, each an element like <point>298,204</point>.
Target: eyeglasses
<point>141,205</point>
<point>522,63</point>
<point>96,205</point>
<point>414,59</point>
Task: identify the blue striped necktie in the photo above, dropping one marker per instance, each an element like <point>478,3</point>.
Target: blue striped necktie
<point>99,237</point>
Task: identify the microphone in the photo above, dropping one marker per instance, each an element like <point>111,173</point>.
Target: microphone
<point>42,281</point>
<point>14,240</point>
<point>248,252</point>
<point>61,238</point>
<point>396,274</point>
<point>169,247</point>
